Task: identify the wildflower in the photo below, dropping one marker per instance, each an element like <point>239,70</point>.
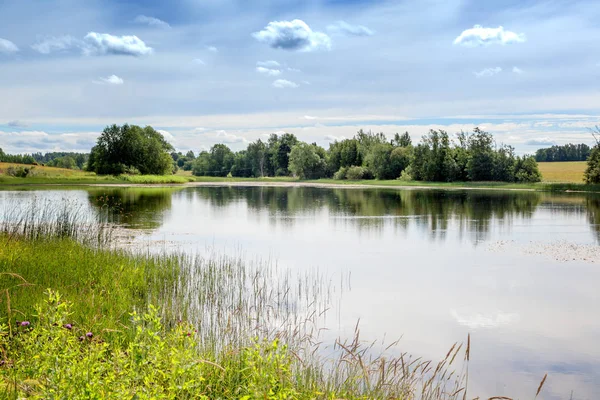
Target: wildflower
<point>25,324</point>
<point>68,326</point>
<point>81,338</point>
<point>89,335</point>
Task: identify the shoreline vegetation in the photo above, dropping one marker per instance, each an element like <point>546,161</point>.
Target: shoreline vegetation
<point>77,320</point>
<point>182,180</point>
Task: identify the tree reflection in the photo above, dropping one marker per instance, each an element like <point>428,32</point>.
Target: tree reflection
<point>436,211</point>
<point>136,208</point>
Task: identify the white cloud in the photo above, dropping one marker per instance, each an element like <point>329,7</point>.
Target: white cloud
<point>268,64</point>
<point>7,47</point>
<point>111,80</point>
<point>479,321</point>
<point>151,21</point>
<point>284,83</point>
<point>198,61</point>
<point>17,124</point>
<point>487,72</point>
<point>480,36</point>
<point>212,49</point>
<point>543,141</point>
<point>293,69</point>
<point>51,44</point>
<point>268,71</point>
<point>104,43</point>
<point>517,70</point>
<point>293,35</point>
<point>166,134</point>
<point>225,137</point>
<point>310,117</point>
<point>344,28</point>
<point>332,138</point>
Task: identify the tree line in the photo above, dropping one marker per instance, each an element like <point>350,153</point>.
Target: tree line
<point>70,160</point>
<point>437,157</point>
<point>567,152</point>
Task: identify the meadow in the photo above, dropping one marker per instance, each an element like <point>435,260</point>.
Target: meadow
<point>565,171</point>
<point>81,318</point>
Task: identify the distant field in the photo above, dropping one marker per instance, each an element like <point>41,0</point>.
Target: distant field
<point>566,171</point>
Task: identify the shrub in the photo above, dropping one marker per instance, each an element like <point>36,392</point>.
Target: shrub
<point>340,174</point>
<point>358,173</point>
<point>19,172</point>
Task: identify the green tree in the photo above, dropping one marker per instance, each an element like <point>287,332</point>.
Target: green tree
<point>307,162</point>
<point>592,172</point>
<point>378,161</point>
<point>403,140</point>
<point>480,165</point>
<point>128,148</point>
<point>433,159</point>
<point>526,170</point>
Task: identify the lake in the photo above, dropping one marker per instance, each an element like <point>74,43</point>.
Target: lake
<point>519,271</point>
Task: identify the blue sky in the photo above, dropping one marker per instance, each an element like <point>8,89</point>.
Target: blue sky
<point>233,71</point>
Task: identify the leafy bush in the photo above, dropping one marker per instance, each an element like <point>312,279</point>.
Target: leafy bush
<point>19,172</point>
<point>358,173</point>
<point>340,174</point>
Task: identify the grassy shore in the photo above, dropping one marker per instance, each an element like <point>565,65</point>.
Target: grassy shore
<point>225,328</point>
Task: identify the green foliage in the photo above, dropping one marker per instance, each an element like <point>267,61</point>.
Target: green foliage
<point>480,164</point>
<point>216,162</point>
<point>432,159</point>
<point>358,173</point>
<point>403,140</point>
<point>567,152</point>
<point>526,170</point>
<point>592,172</point>
<point>305,162</point>
<point>122,148</point>
<point>340,174</point>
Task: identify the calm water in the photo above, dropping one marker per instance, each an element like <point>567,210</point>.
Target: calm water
<point>519,271</point>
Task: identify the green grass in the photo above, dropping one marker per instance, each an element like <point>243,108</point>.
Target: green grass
<point>40,175</point>
<point>563,172</point>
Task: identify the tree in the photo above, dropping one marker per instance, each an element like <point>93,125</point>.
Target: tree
<point>480,165</point>
<point>526,170</point>
<point>257,154</point>
<point>129,148</point>
<point>280,152</point>
<point>433,159</point>
<point>592,172</point>
<point>307,162</point>
<point>378,161</point>
<point>403,140</point>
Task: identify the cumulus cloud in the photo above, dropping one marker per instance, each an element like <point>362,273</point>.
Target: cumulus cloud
<point>543,141</point>
<point>344,28</point>
<point>151,21</point>
<point>110,80</point>
<point>487,72</point>
<point>293,35</point>
<point>212,49</point>
<point>94,44</point>
<point>17,124</point>
<point>52,44</point>
<point>268,64</point>
<point>7,47</point>
<point>198,61</point>
<point>225,137</point>
<point>517,70</point>
<point>480,36</point>
<point>284,83</point>
<point>107,44</point>
<point>268,71</point>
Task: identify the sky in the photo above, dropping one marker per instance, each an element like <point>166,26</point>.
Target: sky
<point>233,71</point>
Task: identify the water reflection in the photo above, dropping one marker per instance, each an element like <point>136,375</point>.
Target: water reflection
<point>135,208</point>
<point>434,211</point>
